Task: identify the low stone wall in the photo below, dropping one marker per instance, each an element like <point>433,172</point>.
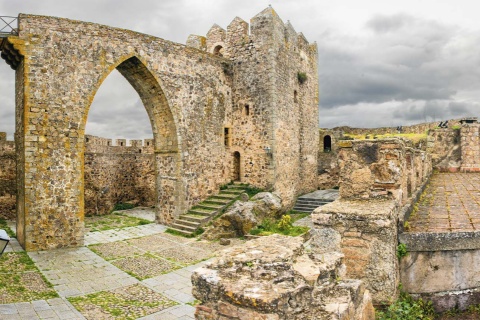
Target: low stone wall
<point>280,277</point>
<point>368,232</point>
<point>470,135</point>
<point>442,268</point>
<point>379,181</point>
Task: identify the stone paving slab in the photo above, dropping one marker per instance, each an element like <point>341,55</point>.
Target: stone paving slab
<point>327,195</point>
<point>123,234</point>
<point>146,213</point>
<point>79,271</point>
<point>55,309</point>
<point>450,203</point>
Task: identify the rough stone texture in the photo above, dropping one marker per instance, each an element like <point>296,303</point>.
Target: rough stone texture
<point>277,277</point>
<point>328,170</point>
<point>470,142</point>
<point>8,187</point>
<point>118,174</point>
<point>211,117</point>
<point>368,232</point>
<point>444,146</point>
<point>241,217</point>
<point>381,169</point>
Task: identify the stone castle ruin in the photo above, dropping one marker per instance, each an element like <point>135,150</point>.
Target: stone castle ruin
<point>228,106</point>
<point>239,104</point>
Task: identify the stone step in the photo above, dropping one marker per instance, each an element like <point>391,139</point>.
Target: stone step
<point>184,232</point>
<point>232,191</point>
<point>210,206</point>
<point>203,212</point>
<point>315,200</point>
<point>215,200</point>
<point>193,216</point>
<point>236,186</point>
<point>227,196</point>
<point>300,207</point>
<point>312,201</point>
<point>186,222</point>
<point>177,225</point>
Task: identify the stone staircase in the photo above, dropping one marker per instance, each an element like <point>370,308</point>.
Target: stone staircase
<point>309,202</point>
<point>199,215</point>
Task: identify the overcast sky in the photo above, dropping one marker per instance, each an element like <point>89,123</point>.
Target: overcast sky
<point>381,62</point>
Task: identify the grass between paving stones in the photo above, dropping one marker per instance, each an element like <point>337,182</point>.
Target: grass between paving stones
<point>145,266</point>
<point>115,220</point>
<point>4,226</point>
<point>126,303</point>
<point>21,281</point>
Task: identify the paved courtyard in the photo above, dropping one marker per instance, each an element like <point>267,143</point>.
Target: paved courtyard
<point>134,260</point>
<point>450,203</point>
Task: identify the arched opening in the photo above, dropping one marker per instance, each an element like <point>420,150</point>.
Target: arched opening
<point>236,166</point>
<point>218,51</point>
<point>327,143</point>
<point>117,176</point>
<point>166,158</point>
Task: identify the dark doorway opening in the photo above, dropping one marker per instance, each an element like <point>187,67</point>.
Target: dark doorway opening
<point>236,166</point>
<point>327,144</point>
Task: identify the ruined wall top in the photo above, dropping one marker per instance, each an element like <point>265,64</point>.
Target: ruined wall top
<point>242,35</point>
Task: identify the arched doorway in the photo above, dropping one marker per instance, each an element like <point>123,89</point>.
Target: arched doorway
<point>327,143</point>
<point>236,166</point>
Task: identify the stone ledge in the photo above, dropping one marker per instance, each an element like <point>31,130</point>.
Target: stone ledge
<point>354,210</point>
<point>445,241</point>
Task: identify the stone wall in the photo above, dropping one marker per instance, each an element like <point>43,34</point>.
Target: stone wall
<point>328,170</point>
<point>444,146</point>
<point>416,128</point>
<point>470,143</point>
<point>113,174</point>
<point>379,180</point>
<point>8,188</point>
<point>118,174</point>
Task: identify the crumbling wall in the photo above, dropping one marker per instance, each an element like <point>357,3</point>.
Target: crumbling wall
<point>328,169</point>
<point>378,180</point>
<point>444,146</point>
<point>8,186</point>
<point>470,142</point>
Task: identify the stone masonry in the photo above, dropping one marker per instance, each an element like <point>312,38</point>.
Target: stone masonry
<point>113,174</point>
<point>230,106</point>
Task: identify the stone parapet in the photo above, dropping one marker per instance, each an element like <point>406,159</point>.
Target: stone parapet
<point>470,144</point>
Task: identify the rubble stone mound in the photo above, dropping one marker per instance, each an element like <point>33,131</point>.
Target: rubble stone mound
<point>279,277</point>
<point>241,217</point>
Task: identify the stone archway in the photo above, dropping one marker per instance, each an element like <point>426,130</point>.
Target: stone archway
<point>165,136</point>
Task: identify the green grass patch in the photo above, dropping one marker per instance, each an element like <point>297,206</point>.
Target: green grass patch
<point>21,281</point>
<point>4,226</point>
<point>282,226</point>
<point>123,206</point>
<point>115,220</point>
<point>251,191</point>
<point>406,308</point>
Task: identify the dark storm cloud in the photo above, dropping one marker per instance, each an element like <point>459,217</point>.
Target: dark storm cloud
<point>404,58</point>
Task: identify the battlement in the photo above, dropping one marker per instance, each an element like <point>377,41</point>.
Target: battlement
<point>91,140</point>
<point>264,28</point>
